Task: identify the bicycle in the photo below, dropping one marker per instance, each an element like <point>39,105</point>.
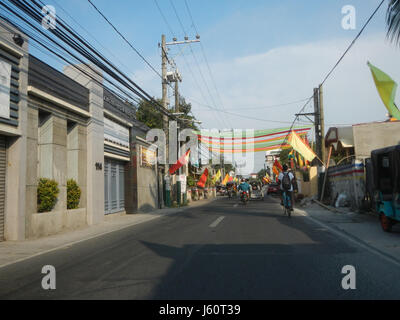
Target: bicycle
<point>286,203</point>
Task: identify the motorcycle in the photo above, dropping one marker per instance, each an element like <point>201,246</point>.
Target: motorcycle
<point>244,196</point>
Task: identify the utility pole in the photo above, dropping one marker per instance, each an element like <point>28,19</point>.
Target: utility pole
<point>317,126</point>
<point>166,78</point>
<point>322,123</point>
<point>164,83</point>
<point>165,117</point>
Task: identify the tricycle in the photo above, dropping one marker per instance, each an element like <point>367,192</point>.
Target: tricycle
<point>386,177</point>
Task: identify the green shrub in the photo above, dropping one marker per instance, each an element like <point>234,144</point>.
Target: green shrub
<point>47,193</point>
<point>73,194</point>
<point>191,182</point>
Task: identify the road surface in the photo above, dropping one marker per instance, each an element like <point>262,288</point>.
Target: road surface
<point>222,250</point>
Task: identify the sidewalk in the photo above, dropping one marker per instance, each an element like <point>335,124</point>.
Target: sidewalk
<point>14,251</point>
<point>363,227</point>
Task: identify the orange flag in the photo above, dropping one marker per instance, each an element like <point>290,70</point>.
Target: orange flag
<point>203,179</point>
<point>225,179</point>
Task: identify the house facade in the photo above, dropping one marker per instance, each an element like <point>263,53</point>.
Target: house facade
<point>66,125</point>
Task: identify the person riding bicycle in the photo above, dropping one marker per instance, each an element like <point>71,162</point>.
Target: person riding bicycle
<point>244,186</point>
<point>286,181</point>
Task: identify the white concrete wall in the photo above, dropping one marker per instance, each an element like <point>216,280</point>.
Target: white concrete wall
<point>349,180</point>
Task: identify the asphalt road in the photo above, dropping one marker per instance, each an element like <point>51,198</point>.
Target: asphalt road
<point>222,250</point>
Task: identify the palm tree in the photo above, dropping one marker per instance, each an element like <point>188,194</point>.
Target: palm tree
<point>393,20</point>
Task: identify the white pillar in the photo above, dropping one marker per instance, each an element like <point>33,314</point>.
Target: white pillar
<point>94,143</point>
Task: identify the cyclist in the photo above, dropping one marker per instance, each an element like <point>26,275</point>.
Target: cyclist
<point>286,181</point>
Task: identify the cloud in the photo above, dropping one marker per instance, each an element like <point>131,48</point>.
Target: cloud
<point>290,73</point>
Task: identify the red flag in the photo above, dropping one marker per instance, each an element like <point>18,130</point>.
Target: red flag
<point>203,179</point>
<point>230,179</point>
<point>181,162</point>
<point>277,164</point>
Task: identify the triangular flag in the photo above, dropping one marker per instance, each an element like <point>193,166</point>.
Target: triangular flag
<point>202,181</point>
<point>299,145</point>
<point>387,90</point>
<point>278,165</point>
<point>181,162</point>
<point>217,176</point>
<point>225,179</point>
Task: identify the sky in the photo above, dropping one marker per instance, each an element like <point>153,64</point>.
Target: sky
<point>253,56</point>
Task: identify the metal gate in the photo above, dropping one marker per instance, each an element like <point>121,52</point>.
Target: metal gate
<point>114,180</point>
<point>2,184</point>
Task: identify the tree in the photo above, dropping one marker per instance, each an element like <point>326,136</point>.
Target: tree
<point>393,20</point>
<point>149,115</point>
<point>186,109</point>
<point>153,118</point>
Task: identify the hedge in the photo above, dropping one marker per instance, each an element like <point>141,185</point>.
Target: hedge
<point>47,193</point>
<point>73,194</point>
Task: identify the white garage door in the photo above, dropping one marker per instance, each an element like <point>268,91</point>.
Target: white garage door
<point>114,193</point>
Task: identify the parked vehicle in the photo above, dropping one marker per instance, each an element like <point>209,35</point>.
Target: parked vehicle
<point>386,185</point>
<point>273,188</point>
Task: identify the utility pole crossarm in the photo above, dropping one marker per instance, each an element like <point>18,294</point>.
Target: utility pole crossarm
<point>181,42</point>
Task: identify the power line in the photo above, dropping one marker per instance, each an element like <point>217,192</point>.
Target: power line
<point>260,107</point>
<point>258,119</point>
<point>123,37</point>
<point>352,43</point>
<point>92,36</point>
<point>196,61</point>
<point>66,34</point>
<point>184,58</point>
<point>336,64</point>
<point>205,57</point>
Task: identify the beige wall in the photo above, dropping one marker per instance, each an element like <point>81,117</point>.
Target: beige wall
<point>371,136</point>
<point>147,189</point>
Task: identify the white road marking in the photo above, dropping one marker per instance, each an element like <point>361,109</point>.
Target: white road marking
<point>216,222</point>
<point>235,205</point>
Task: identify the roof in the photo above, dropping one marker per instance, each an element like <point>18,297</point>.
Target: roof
<point>344,135</point>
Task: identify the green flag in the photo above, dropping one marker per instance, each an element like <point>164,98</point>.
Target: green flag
<point>386,87</point>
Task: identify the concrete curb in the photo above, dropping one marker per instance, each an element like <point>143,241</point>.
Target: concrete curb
<point>352,238</point>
